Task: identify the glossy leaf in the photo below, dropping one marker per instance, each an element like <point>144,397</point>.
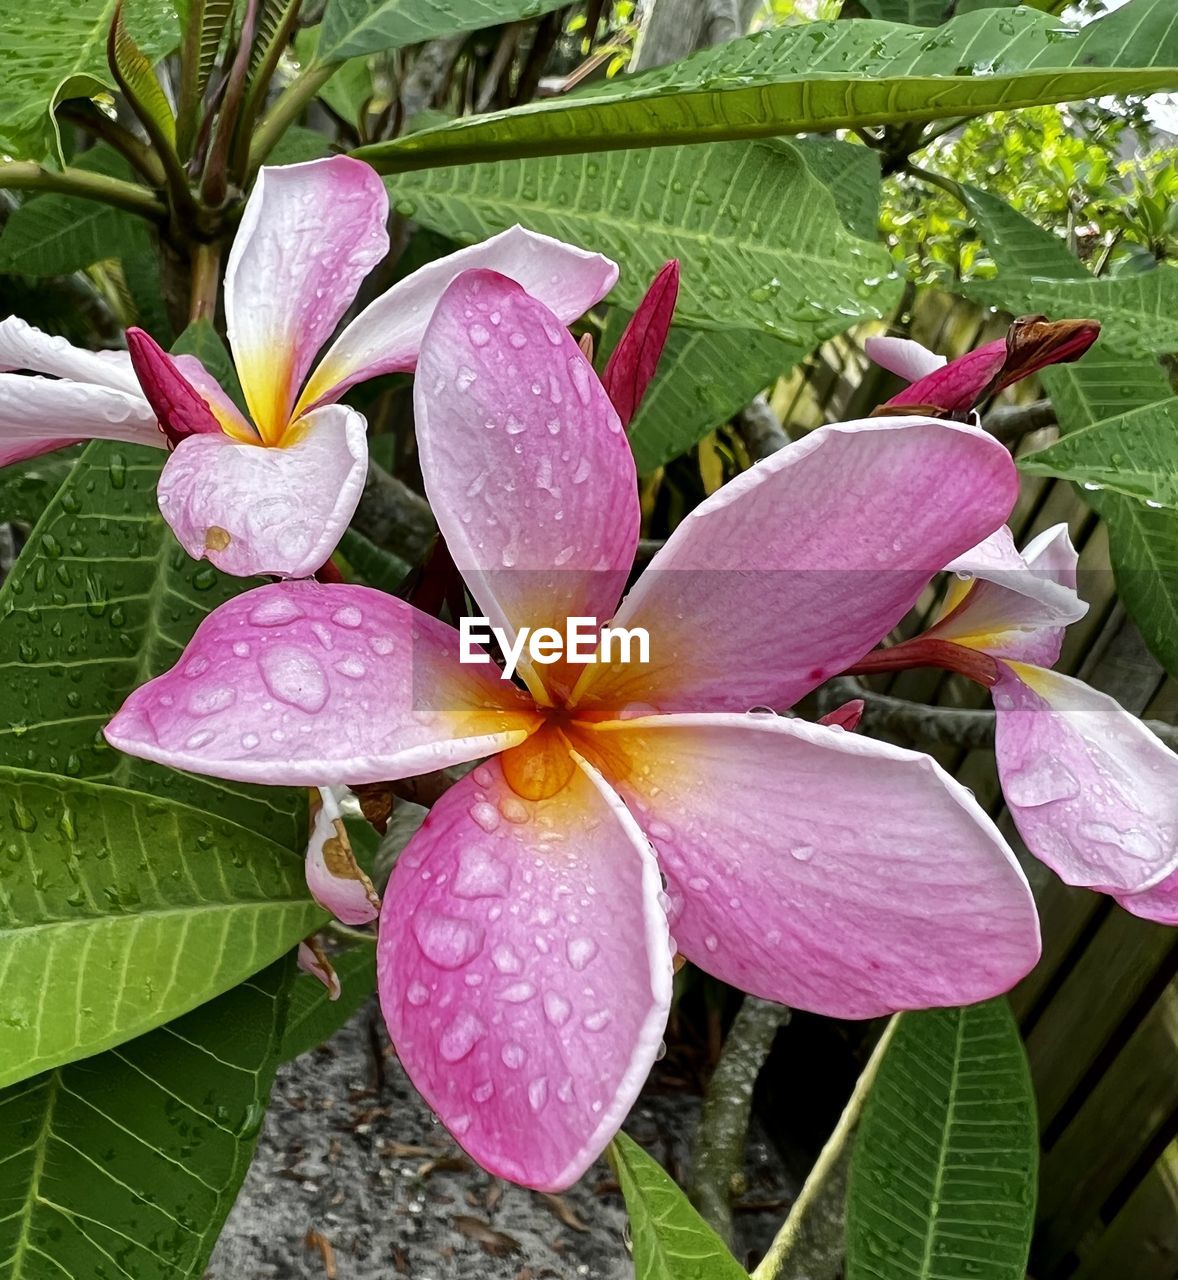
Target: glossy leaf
<point>56,49</point>
<point>1104,388</point>
<point>821,76</point>
<point>943,1172</point>
<point>313,1018</point>
<point>353,27</point>
<point>127,1164</point>
<point>758,236</point>
<point>101,599</point>
<point>27,488</point>
<point>119,913</point>
<point>670,1240</point>
<point>137,79</point>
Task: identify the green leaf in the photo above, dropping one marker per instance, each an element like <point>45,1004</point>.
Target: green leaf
<point>821,76</point>
<point>350,88</point>
<point>759,237</point>
<point>1100,389</point>
<point>943,1173</point>
<point>703,378</point>
<point>354,27</point>
<point>851,173</point>
<point>52,235</point>
<point>671,1241</point>
<point>1135,453</point>
<point>127,1164</point>
<point>133,70</point>
<point>101,599</point>
<point>313,1018</point>
<point>123,912</point>
<point>375,566</point>
<point>27,488</point>
<point>56,50</point>
<point>1138,313</point>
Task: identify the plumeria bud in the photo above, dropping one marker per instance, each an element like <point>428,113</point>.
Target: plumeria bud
<point>1034,342</point>
<point>585,342</point>
<point>175,401</point>
<point>846,717</point>
<point>313,959</point>
<point>336,880</point>
<point>630,368</point>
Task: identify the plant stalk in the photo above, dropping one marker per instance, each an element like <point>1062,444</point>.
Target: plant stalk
<point>27,175</point>
<point>204,279</point>
<point>287,108</point>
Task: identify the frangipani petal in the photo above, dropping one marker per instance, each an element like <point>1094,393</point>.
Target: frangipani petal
<point>1159,904</point>
<point>524,969</point>
<point>1093,792</point>
<point>523,457</point>
<point>960,384</point>
<point>821,869</point>
<point>312,959</point>
<point>794,570</point>
<point>24,347</point>
<point>306,684</point>
<point>38,414</point>
<point>309,235</point>
<point>280,510</point>
<point>336,880</point>
<point>386,335</point>
<point>903,357</point>
<point>1016,606</point>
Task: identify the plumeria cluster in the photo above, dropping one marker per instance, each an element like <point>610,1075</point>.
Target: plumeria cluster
<point>620,813</point>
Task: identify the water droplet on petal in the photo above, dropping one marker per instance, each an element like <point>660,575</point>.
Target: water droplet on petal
<point>447,941</point>
<point>460,1037</point>
<point>556,1008</point>
<point>538,1093</point>
<point>513,1056</point>
<point>294,677</point>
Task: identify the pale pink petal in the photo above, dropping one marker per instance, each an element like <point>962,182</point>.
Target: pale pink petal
<point>822,869</point>
<point>793,571</point>
<point>1094,794</point>
<point>36,411</point>
<point>386,335</point>
<point>282,510</point>
<point>309,684</point>
<point>232,420</point>
<point>336,881</point>
<point>632,365</point>
<point>1159,904</point>
<point>309,235</point>
<point>24,347</point>
<point>959,385</point>
<point>312,959</point>
<point>523,457</point>
<point>179,408</point>
<point>1016,606</point>
<point>903,357</point>
<point>524,970</point>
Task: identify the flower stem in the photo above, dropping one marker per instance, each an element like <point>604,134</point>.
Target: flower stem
<point>288,107</point>
<point>27,175</point>
<point>205,277</point>
<point>772,1266</point>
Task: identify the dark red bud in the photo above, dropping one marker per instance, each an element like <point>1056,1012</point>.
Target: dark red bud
<point>1035,342</point>
<point>631,366</point>
<point>845,717</point>
<point>177,404</point>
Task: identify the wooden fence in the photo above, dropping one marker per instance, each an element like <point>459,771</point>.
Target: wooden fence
<point>1100,1011</point>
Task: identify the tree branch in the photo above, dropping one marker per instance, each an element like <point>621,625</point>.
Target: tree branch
<point>1010,422</point>
<point>718,1163</point>
<point>27,175</point>
<point>760,429</point>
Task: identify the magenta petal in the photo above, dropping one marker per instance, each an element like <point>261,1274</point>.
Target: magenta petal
<point>335,879</point>
<point>524,969</point>
<point>633,362</point>
<point>309,235</point>
<point>281,510</point>
<point>386,336</point>
<point>1159,904</point>
<point>824,870</point>
<point>178,406</point>
<point>524,460</point>
<point>220,404</point>
<point>305,684</point>
<point>960,384</point>
<point>903,357</point>
<point>1093,792</point>
<point>793,571</point>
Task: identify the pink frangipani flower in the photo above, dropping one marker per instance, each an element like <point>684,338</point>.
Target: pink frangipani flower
<point>272,493</point>
<point>954,387</point>
<point>1092,791</point>
<point>525,950</point>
